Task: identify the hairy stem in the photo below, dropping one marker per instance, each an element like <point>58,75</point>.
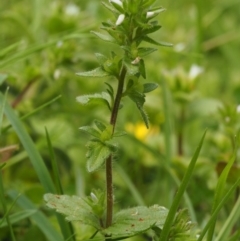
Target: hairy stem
<point>109,182</point>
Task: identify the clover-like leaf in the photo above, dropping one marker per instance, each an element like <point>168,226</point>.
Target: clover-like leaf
<point>74,208</point>
<point>133,221</point>
<point>95,73</point>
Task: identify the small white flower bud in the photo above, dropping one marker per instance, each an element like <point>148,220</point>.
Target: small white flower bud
<point>195,71</point>
<point>151,14</point>
<point>238,109</point>
<point>120,19</point>
<point>118,2</point>
<point>94,197</point>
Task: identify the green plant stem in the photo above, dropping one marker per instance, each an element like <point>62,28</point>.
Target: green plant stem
<point>109,181</point>
<point>118,97</point>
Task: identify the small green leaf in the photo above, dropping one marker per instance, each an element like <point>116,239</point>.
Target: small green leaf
<point>148,87</point>
<point>74,208</point>
<point>97,98</point>
<point>104,37</point>
<point>100,125</point>
<point>101,58</point>
<point>144,115</point>
<point>117,7</point>
<point>119,133</point>
<point>142,68</point>
<point>131,69</point>
<point>145,51</point>
<point>152,41</point>
<point>136,220</point>
<point>97,153</point>
<point>90,130</point>
<point>150,29</point>
<point>98,72</point>
<point>110,7</point>
<point>148,3</point>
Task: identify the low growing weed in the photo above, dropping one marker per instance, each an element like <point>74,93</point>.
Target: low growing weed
<point>124,71</point>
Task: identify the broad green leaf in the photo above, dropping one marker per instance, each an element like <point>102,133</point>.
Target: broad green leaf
<point>152,41</point>
<point>145,51</point>
<point>73,207</point>
<point>16,217</point>
<point>90,130</point>
<point>97,98</point>
<point>148,87</point>
<point>136,220</point>
<point>98,72</point>
<point>104,37</point>
<point>97,153</point>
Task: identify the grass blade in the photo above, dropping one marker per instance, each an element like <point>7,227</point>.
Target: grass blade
<point>29,146</point>
<point>16,217</point>
<point>54,165</point>
<point>219,192</point>
<point>228,225</point>
<point>34,111</point>
<point>218,208</point>
<point>2,110</point>
<point>156,154</point>
<point>41,221</point>
<point>130,185</point>
<point>36,160</point>
<point>4,205</point>
<point>179,194</point>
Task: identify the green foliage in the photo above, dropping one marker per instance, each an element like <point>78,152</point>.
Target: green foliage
<point>42,45</point>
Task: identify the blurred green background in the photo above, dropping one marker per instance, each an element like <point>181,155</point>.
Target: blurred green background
<point>44,43</point>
